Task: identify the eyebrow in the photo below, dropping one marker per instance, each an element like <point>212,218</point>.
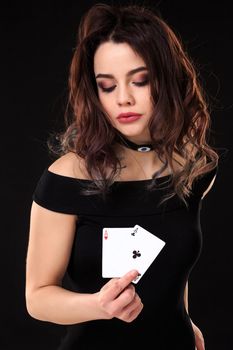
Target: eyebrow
<point>131,72</point>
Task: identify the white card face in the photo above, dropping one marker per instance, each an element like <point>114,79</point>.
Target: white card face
<point>127,248</point>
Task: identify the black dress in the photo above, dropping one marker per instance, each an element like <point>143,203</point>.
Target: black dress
<point>163,322</point>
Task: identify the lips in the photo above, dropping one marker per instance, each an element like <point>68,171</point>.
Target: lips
<point>128,117</point>
<point>128,114</point>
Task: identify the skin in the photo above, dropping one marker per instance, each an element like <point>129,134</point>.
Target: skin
<point>127,96</point>
<point>51,234</point>
<point>47,300</point>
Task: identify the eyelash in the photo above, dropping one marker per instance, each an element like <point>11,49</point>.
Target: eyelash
<point>108,90</point>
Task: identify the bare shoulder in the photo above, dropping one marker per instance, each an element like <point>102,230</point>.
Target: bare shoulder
<point>70,165</point>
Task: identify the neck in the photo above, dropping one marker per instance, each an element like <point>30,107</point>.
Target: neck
<point>139,147</point>
<point>138,165</point>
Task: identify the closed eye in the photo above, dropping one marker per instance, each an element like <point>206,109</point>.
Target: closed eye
<point>110,89</point>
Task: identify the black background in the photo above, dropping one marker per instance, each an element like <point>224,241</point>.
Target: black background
<point>37,42</point>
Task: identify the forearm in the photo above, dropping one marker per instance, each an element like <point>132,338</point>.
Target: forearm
<point>58,305</point>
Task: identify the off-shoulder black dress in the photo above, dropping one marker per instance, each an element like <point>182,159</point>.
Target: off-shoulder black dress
<point>163,323</point>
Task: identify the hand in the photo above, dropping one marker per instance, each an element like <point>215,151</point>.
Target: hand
<point>118,298</point>
<point>199,339</point>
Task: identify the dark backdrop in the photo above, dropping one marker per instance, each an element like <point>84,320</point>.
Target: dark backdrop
<point>36,47</point>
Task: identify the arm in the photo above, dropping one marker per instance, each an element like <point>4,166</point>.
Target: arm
<point>199,339</point>
<point>50,242</point>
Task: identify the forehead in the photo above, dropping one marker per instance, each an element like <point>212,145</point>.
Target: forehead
<point>116,58</point>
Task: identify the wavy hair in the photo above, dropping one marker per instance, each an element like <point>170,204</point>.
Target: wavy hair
<point>180,120</point>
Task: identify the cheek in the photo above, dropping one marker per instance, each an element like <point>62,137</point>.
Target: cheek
<point>143,93</point>
<point>149,99</point>
<point>146,100</point>
<point>105,102</point>
<point>103,99</point>
<point>107,105</point>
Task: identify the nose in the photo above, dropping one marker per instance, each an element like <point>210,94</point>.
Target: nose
<point>124,96</point>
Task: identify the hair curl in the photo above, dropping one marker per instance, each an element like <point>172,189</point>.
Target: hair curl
<point>180,120</point>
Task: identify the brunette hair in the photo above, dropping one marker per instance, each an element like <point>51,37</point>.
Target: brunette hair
<point>180,119</point>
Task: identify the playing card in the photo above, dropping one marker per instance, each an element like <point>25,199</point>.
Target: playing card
<point>127,248</point>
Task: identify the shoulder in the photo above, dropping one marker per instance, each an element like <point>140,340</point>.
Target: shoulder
<point>58,189</point>
<point>70,165</point>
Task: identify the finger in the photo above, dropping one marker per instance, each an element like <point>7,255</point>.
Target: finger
<point>125,298</point>
<point>117,285</point>
<point>132,305</point>
<point>128,278</point>
<point>134,313</point>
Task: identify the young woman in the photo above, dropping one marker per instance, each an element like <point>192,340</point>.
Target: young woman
<point>134,151</point>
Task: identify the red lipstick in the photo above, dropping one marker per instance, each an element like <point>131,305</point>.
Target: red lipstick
<point>128,117</point>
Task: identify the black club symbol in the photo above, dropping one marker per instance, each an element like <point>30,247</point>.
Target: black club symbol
<point>136,254</point>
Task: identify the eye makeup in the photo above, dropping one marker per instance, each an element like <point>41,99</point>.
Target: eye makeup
<point>110,89</point>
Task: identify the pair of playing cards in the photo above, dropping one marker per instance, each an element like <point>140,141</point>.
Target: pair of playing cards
<point>128,248</point>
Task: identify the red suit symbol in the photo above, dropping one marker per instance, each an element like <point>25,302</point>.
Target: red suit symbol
<point>105,234</point>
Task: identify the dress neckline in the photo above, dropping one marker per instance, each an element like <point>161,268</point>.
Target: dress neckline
<point>160,178</point>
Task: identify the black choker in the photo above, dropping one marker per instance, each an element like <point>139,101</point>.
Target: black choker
<point>140,148</point>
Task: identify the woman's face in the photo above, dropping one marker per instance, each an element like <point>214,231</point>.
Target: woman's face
<point>122,93</point>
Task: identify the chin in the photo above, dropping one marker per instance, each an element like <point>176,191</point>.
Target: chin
<point>135,134</point>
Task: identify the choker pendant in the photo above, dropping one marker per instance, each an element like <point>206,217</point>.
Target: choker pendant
<point>134,146</point>
<point>144,149</point>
